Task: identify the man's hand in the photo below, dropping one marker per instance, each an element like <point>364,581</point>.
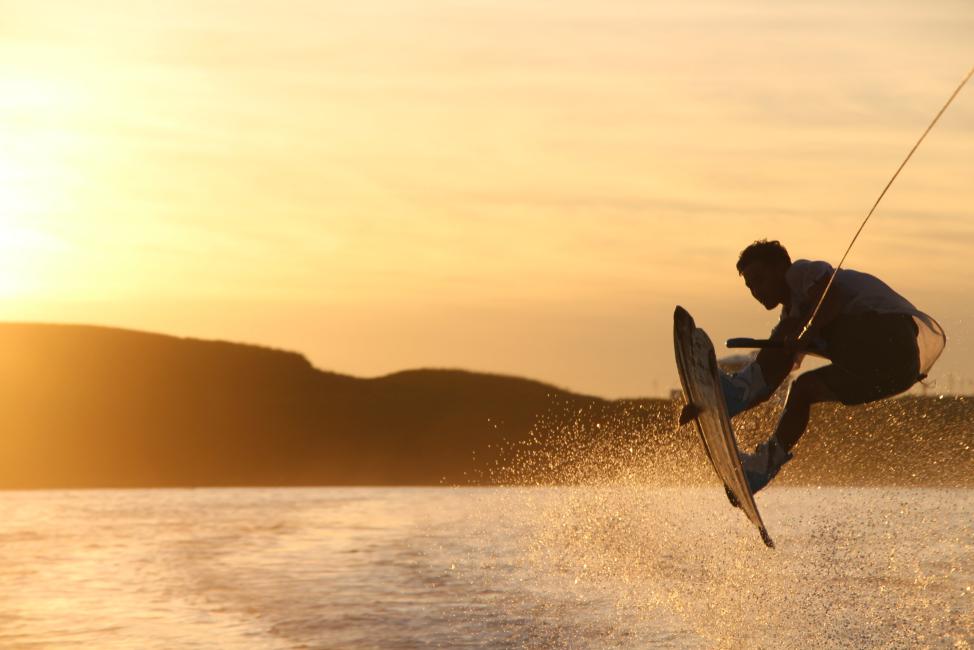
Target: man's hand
<point>795,343</point>
<point>787,328</point>
<point>790,332</point>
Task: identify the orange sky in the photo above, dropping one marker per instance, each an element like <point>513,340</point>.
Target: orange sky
<point>519,187</point>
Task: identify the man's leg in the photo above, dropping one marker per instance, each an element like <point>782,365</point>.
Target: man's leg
<point>776,364</point>
<point>806,390</point>
<point>763,465</point>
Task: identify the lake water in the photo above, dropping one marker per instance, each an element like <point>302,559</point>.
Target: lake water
<point>607,567</point>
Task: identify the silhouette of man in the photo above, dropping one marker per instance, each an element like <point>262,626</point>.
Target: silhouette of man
<point>878,342</point>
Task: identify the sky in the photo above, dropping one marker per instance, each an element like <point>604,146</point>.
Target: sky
<point>524,187</point>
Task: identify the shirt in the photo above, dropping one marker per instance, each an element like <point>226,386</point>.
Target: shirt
<point>864,293</point>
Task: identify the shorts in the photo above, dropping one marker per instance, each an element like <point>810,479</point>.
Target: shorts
<point>873,356</point>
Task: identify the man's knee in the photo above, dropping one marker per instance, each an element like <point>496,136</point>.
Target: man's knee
<point>775,364</point>
<point>810,388</point>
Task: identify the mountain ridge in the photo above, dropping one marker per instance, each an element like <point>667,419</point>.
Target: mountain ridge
<point>88,406</point>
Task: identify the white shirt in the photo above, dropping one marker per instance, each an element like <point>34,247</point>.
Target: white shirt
<point>864,293</point>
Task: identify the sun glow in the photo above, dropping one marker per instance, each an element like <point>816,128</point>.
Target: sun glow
<point>18,243</point>
<point>34,180</point>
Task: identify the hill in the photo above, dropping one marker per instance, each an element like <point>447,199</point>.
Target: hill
<point>89,406</point>
<point>99,407</point>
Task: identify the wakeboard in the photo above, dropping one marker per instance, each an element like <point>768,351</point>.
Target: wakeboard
<point>697,364</point>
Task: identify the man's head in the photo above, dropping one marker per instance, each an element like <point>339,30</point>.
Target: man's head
<point>763,265</point>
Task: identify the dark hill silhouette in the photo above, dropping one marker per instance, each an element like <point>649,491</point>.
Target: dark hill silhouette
<point>93,406</point>
<point>99,407</point>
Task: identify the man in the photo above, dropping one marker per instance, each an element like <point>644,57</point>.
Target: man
<point>878,342</point>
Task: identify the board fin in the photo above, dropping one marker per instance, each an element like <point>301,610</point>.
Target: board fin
<point>730,497</point>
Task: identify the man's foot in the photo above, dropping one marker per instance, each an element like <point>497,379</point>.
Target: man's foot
<point>762,466</point>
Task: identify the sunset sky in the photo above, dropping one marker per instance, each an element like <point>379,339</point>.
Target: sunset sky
<point>520,187</point>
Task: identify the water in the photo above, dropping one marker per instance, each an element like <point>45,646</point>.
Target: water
<point>603,567</point>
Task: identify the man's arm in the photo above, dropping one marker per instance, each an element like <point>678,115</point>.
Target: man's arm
<point>776,363</point>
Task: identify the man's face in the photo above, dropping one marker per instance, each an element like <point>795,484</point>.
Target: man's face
<point>766,282</point>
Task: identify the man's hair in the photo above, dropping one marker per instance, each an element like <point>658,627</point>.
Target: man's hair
<point>765,251</point>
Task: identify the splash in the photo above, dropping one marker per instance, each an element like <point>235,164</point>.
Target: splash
<point>871,553</point>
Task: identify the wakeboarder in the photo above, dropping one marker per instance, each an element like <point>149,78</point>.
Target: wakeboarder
<point>878,343</point>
